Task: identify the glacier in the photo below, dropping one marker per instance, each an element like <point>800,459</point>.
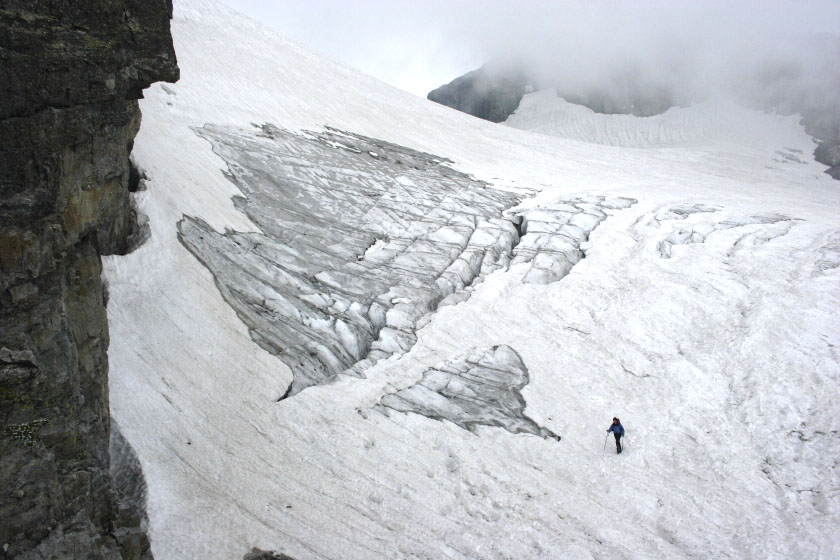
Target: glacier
<point>482,389</point>
<point>333,266</point>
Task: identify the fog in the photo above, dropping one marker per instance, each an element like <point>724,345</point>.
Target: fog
<point>771,53</point>
<point>781,55</point>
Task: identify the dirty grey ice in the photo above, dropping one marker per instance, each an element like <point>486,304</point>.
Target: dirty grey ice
<point>482,389</point>
<point>360,239</point>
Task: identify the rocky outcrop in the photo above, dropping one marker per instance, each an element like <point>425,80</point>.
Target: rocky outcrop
<point>70,75</point>
<point>485,93</point>
<point>493,93</point>
<point>257,554</point>
<point>828,153</point>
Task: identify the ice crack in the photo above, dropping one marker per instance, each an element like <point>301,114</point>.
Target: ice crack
<point>706,222</point>
<point>482,389</point>
<point>552,235</point>
<point>361,239</point>
<point>354,249</point>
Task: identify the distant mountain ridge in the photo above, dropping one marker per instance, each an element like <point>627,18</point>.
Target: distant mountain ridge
<point>488,95</point>
<point>494,92</point>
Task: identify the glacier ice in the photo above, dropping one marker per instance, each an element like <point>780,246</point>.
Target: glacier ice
<point>829,255</point>
<point>360,238</point>
<point>771,226</point>
<point>552,234</point>
<point>481,389</point>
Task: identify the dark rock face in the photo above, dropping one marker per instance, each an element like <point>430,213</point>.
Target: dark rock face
<point>635,102</point>
<point>493,93</point>
<point>834,172</point>
<point>484,93</point>
<point>828,153</point>
<point>70,74</point>
<point>257,554</point>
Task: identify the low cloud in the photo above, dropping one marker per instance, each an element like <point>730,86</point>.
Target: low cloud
<point>770,53</point>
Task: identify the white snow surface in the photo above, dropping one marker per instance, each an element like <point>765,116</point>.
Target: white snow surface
<point>713,121</point>
<point>721,360</point>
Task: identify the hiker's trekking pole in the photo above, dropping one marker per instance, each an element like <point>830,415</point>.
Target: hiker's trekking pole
<point>605,441</point>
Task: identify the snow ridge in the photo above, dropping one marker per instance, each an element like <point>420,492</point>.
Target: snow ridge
<point>545,112</point>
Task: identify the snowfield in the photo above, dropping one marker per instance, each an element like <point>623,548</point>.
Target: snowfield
<point>681,272</point>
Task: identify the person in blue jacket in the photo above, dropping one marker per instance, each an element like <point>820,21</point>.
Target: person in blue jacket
<point>618,431</point>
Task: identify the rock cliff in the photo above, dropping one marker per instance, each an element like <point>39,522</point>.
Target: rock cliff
<point>70,77</point>
<point>485,93</point>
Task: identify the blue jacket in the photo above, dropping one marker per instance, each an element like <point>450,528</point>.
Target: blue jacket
<point>617,428</point>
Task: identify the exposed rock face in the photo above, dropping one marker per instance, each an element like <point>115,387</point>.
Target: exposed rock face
<point>828,153</point>
<point>484,93</point>
<point>70,74</point>
<point>482,389</point>
<point>257,554</point>
<point>493,93</point>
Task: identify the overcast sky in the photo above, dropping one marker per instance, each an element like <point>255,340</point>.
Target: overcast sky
<point>419,45</point>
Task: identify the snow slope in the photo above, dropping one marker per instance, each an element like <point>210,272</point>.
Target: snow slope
<point>704,316</point>
<point>712,122</point>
